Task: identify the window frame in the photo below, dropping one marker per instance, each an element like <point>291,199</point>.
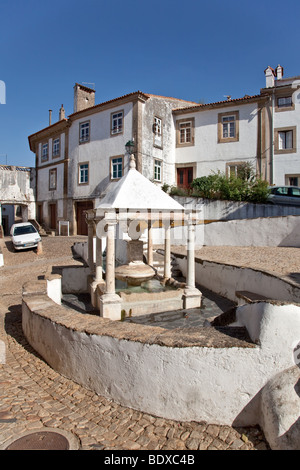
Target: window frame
<point>82,171</point>
<point>83,139</point>
<point>157,132</point>
<point>284,95</point>
<point>277,131</point>
<point>157,164</point>
<point>179,123</point>
<point>56,155</point>
<point>45,156</point>
<point>111,167</point>
<point>119,130</point>
<point>52,175</point>
<point>228,139</point>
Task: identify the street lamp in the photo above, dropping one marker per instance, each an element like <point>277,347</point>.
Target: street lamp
<point>129,146</point>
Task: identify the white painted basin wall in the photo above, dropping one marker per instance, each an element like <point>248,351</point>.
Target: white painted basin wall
<point>226,280</point>
<point>218,385</point>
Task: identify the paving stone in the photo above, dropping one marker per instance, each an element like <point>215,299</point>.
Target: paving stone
<point>32,395</point>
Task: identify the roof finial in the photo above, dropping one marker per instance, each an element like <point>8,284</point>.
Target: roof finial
<point>132,164</point>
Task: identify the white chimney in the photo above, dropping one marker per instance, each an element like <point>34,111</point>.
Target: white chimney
<point>62,113</point>
<point>279,72</point>
<point>270,77</point>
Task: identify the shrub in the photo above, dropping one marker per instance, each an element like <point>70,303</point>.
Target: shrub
<point>244,186</point>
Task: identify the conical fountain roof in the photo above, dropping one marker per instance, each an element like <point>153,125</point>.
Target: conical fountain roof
<point>134,191</point>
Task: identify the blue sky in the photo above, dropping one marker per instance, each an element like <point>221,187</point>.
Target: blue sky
<point>189,49</point>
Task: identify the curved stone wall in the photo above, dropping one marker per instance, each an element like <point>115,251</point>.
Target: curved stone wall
<point>213,374</point>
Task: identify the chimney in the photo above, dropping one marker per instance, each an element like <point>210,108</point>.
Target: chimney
<point>84,97</point>
<point>270,77</point>
<point>50,117</point>
<point>62,113</point>
<point>279,72</point>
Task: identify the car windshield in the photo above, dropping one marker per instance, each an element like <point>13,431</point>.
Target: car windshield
<point>24,230</point>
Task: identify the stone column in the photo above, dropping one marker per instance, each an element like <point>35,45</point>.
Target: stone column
<point>167,261</point>
<point>110,259</point>
<point>192,295</point>
<point>150,244</point>
<point>110,302</point>
<point>90,246</point>
<point>99,260</point>
<point>190,278</point>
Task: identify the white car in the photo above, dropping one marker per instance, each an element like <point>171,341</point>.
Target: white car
<point>24,235</point>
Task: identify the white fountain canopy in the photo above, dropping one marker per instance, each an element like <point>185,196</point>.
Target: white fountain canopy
<point>136,192</point>
<point>138,202</point>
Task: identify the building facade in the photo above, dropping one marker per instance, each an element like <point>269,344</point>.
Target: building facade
<point>80,158</point>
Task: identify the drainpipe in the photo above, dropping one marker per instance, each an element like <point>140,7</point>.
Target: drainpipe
<point>272,140</point>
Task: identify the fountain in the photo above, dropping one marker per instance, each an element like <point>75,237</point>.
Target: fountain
<point>135,204</point>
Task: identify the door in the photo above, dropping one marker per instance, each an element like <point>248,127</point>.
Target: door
<point>184,177</point>
<point>81,207</point>
<point>52,210</point>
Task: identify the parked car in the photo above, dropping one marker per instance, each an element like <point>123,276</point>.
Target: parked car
<point>24,235</point>
<point>284,195</point>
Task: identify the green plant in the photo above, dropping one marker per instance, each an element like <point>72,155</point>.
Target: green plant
<point>242,186</point>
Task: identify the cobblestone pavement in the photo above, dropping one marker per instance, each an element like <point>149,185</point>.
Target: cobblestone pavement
<point>33,397</point>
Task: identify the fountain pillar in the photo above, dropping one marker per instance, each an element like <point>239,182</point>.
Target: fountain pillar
<point>110,302</point>
<point>192,295</point>
<point>98,273</point>
<point>167,261</point>
<point>90,245</point>
<point>150,244</point>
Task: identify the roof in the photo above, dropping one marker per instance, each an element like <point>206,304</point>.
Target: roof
<point>245,99</point>
<point>135,192</point>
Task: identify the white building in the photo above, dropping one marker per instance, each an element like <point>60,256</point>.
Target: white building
<point>80,158</point>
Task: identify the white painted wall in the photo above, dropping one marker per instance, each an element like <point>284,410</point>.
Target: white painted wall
<point>211,155</point>
<point>214,384</point>
<point>226,280</point>
<point>288,163</point>
<point>97,151</point>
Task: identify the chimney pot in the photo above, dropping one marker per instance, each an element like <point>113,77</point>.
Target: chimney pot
<point>62,113</point>
<point>279,72</point>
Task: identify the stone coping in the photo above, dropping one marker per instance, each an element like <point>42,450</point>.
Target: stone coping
<point>210,337</point>
<point>199,260</point>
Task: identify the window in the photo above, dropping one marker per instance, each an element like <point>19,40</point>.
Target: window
<point>56,148</point>
<point>228,127</point>
<point>117,123</point>
<point>44,152</point>
<point>236,170</point>
<point>185,132</point>
<point>116,169</point>
<point>157,170</point>
<point>185,177</point>
<point>83,173</point>
<point>84,132</point>
<point>284,102</point>
<point>292,180</point>
<point>52,179</point>
<point>285,140</point>
<point>157,129</point>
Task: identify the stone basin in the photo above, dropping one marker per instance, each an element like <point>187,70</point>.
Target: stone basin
<point>134,273</point>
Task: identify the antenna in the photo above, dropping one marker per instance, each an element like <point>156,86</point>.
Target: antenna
<point>87,83</point>
<point>4,155</point>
